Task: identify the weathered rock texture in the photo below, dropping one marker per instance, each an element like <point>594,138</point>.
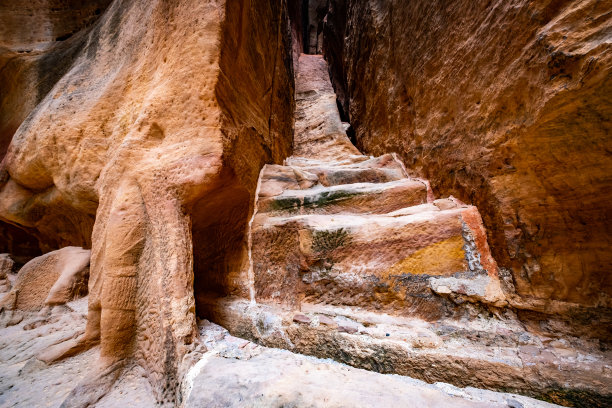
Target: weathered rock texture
<point>51,279</point>
<point>154,133</point>
<point>506,105</point>
<point>476,350</point>
<point>6,267</point>
<point>238,373</point>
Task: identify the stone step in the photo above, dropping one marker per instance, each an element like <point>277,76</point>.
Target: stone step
<point>299,174</point>
<point>372,198</point>
<point>348,160</point>
<point>403,264</point>
<point>380,169</point>
<point>237,373</point>
<point>372,185</point>
<point>454,351</point>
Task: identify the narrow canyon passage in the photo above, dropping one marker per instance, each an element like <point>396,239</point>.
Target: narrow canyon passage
<point>305,203</point>
<point>359,216</point>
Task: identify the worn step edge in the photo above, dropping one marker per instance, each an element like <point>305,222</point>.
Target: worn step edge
<point>424,212</point>
<point>563,382</point>
<point>352,198</point>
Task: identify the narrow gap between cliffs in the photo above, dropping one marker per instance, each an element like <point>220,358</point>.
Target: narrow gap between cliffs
<point>310,25</point>
<point>220,242</point>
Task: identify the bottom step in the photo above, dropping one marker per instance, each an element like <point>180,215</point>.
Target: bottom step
<point>477,351</point>
<point>237,373</point>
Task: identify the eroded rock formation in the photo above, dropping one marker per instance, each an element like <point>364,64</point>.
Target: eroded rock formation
<point>207,168</point>
<point>505,105</point>
<point>6,268</point>
<point>143,131</point>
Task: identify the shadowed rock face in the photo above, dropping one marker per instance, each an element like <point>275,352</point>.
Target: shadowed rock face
<point>505,104</point>
<point>165,112</point>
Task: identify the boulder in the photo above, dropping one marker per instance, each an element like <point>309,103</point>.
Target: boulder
<point>72,282</point>
<point>53,278</point>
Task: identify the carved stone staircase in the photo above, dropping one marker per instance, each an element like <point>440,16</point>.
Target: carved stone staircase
<point>336,227</point>
<point>353,259</point>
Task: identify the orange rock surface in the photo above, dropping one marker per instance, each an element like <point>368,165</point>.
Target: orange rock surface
<point>163,115</point>
<point>505,105</point>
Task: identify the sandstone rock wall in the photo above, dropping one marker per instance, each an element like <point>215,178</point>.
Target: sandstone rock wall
<point>138,129</point>
<point>505,104</point>
<point>153,135</point>
<point>39,41</point>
